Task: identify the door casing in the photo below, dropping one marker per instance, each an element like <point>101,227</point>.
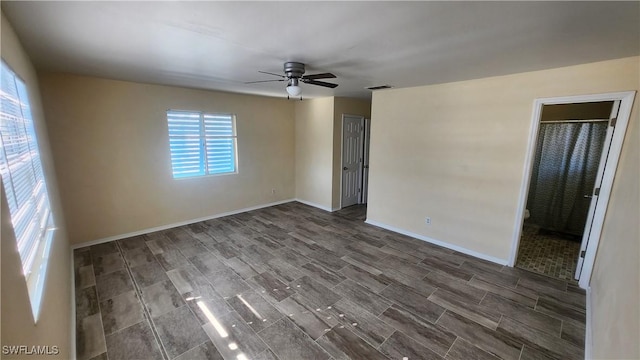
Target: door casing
<point>586,235</point>
<point>364,195</point>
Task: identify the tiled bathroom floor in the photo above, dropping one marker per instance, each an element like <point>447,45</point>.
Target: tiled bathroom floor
<point>294,282</point>
<point>547,254</point>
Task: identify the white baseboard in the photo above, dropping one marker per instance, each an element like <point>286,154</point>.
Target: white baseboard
<point>588,339</point>
<point>439,243</point>
<point>182,223</point>
<point>321,207</point>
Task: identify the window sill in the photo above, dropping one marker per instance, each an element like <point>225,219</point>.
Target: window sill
<point>205,176</point>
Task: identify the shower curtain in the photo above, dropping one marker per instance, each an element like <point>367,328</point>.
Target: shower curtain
<point>564,171</point>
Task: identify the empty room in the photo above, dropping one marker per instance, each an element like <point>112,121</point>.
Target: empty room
<point>320,180</point>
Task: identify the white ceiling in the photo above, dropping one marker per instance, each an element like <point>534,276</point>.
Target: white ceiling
<point>221,45</point>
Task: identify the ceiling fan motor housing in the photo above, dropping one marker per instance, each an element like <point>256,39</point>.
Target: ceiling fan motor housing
<point>293,69</point>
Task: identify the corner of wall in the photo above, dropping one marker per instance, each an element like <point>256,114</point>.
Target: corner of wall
<point>314,151</point>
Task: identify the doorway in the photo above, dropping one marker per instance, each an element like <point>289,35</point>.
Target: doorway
<point>571,141</point>
<point>355,160</point>
<point>573,153</point>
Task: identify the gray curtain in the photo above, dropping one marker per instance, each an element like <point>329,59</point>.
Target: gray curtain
<point>565,167</point>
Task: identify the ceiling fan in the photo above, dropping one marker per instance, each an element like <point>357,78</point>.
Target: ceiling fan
<point>294,74</point>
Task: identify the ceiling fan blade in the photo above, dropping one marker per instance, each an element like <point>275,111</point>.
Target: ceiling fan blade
<point>262,81</point>
<point>269,73</point>
<point>319,83</point>
<point>319,76</point>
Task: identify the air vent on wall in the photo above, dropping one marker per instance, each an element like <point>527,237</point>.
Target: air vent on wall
<point>379,87</point>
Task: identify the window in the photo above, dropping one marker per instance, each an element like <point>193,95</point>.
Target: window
<point>201,144</point>
<point>24,183</point>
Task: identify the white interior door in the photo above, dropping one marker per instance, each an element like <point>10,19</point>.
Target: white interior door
<point>352,131</point>
<point>365,163</point>
<point>596,189</point>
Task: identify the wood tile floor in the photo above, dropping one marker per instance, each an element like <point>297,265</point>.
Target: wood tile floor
<point>294,282</point>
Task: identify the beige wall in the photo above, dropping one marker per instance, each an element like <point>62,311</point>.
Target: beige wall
<point>455,152</point>
<point>343,106</point>
<point>110,143</point>
<point>314,151</point>
<point>54,326</point>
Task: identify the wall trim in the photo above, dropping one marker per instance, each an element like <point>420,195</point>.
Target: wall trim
<point>588,340</point>
<point>439,242</point>
<point>72,351</point>
<point>321,207</point>
<point>181,223</point>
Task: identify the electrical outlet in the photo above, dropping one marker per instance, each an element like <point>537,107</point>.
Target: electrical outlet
<point>427,220</point>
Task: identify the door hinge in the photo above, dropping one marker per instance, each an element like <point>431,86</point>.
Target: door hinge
<point>596,192</point>
<point>613,122</point>
<point>582,253</point>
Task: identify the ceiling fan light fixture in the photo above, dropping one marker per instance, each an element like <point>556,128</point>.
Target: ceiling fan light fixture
<point>293,89</point>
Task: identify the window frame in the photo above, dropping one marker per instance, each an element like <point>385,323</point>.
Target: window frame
<point>35,270</point>
<point>203,143</point>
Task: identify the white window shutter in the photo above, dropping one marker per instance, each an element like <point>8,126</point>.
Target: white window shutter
<point>220,143</point>
<point>186,144</point>
<point>201,144</point>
